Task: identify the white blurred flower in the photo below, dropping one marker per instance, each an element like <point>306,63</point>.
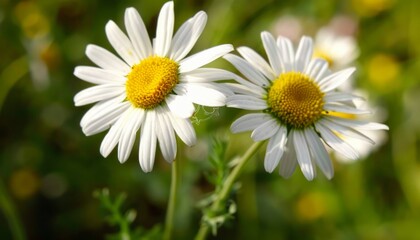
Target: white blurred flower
<point>339,51</point>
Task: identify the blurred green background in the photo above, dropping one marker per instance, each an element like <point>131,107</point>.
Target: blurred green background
<point>49,169</point>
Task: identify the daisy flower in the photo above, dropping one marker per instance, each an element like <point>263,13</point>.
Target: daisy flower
<point>338,50</point>
<point>295,95</point>
<point>151,88</point>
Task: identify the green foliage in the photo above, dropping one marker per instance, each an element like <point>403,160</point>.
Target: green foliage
<point>115,217</point>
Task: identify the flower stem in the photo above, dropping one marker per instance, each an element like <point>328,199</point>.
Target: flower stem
<point>227,187</point>
<point>6,205</point>
<point>169,223</point>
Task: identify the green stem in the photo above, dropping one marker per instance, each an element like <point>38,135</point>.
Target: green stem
<point>227,187</point>
<point>169,223</point>
<point>6,205</point>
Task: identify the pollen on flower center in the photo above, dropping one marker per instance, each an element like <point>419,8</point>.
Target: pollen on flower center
<point>295,99</point>
<point>150,81</point>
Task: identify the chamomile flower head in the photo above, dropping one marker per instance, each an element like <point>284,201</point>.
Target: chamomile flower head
<point>151,87</point>
<point>295,97</point>
<point>340,51</point>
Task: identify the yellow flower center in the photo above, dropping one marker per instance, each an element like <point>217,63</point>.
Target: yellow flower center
<point>295,99</point>
<point>150,81</point>
<point>323,55</point>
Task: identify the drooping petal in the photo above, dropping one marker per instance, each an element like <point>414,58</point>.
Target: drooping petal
<point>166,136</point>
<point>128,134</point>
<point>288,162</point>
<point>319,153</point>
<point>275,149</point>
<point>147,149</point>
<point>302,154</point>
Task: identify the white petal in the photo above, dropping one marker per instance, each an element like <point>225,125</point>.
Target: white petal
<point>180,106</point>
<point>202,58</point>
<point>344,108</point>
<point>241,89</point>
<point>113,136</point>
<point>187,36</point>
<point>319,153</point>
<point>317,69</point>
<point>288,162</point>
<point>304,53</point>
<point>98,75</point>
<point>261,91</point>
<point>302,154</point>
<point>103,119</point>
<point>336,79</point>
<point>272,51</point>
<point>216,86</point>
<point>346,130</point>
<point>98,107</point>
<point>184,130</point>
<point>247,70</point>
<point>249,122</point>
<point>128,135</point>
<point>166,136</point>
<point>201,75</point>
<point>98,93</point>
<point>147,149</point>
<point>201,94</point>
<point>138,33</point>
<point>358,124</point>
<point>340,97</point>
<point>246,102</point>
<point>265,130</point>
<point>106,60</point>
<point>165,29</point>
<point>121,43</point>
<point>286,53</point>
<point>275,149</point>
<point>335,142</point>
<point>257,61</point>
